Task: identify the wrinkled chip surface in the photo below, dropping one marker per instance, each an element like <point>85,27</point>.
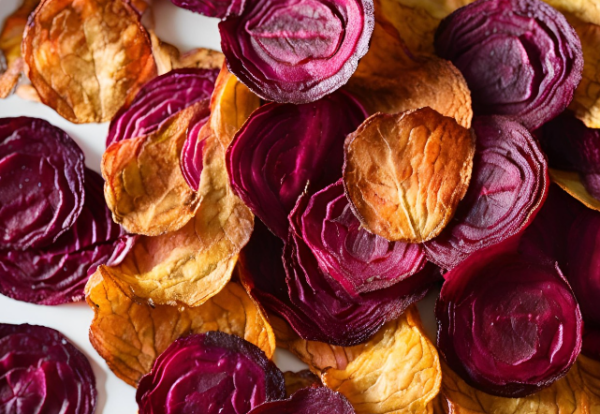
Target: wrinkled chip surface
<point>86,58</point>
<point>405,173</point>
<point>42,372</point>
<point>130,335</point>
<point>146,190</point>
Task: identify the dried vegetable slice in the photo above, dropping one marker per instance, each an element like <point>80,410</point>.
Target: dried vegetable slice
<point>308,401</point>
<point>508,325</point>
<point>130,335</point>
<point>213,8</point>
<point>57,273</point>
<point>212,373</point>
<point>313,56</point>
<point>360,261</point>
<point>508,186</point>
<point>95,64</point>
<point>396,371</point>
<point>146,190</point>
<point>41,183</point>
<point>405,174</point>
<point>284,147</point>
<point>521,58</point>
<point>11,61</point>
<point>589,369</point>
<point>42,372</point>
<point>571,183</point>
<point>315,304</point>
<point>295,381</point>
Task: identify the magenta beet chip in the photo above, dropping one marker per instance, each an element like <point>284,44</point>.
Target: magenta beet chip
<point>508,186</point>
<point>297,51</point>
<point>283,147</point>
<point>210,373</point>
<point>159,99</point>
<point>508,325</point>
<point>41,372</point>
<point>212,8</point>
<point>318,400</point>
<point>41,183</point>
<point>520,58</point>
<point>192,162</point>
<point>57,273</point>
<point>359,260</point>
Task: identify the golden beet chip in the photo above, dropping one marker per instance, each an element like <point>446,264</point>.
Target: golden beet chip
<point>405,174</point>
<point>145,188</point>
<point>585,10</point>
<point>86,58</point>
<point>11,62</point>
<point>129,335</point>
<point>295,381</point>
<point>168,57</point>
<point>567,395</point>
<point>589,370</point>
<point>571,183</point>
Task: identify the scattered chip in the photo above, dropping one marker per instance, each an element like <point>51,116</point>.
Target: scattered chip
<point>146,190</point>
<point>295,381</point>
<point>130,335</point>
<point>308,401</point>
<point>571,183</point>
<point>405,174</point>
<point>86,58</point>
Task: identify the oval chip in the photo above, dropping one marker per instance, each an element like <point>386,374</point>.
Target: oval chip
<point>405,174</point>
<point>86,58</point>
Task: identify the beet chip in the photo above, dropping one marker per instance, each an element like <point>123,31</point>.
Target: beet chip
<point>507,325</point>
<point>508,186</point>
<point>319,400</point>
<point>211,373</point>
<point>282,147</point>
<point>42,372</point>
<point>41,183</point>
<point>520,58</point>
<point>212,8</point>
<point>57,273</point>
<point>296,51</point>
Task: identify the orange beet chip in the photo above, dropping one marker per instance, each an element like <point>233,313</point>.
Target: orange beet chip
<point>130,335</point>
<point>567,395</point>
<point>10,47</point>
<point>571,182</point>
<point>397,371</point>
<point>86,58</point>
<point>145,188</point>
<point>405,174</point>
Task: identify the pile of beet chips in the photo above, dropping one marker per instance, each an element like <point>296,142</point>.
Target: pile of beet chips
<point>304,189</point>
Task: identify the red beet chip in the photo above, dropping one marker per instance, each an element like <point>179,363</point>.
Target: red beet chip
<point>42,373</point>
<point>159,99</point>
<point>210,373</point>
<point>297,51</point>
<point>315,305</point>
<point>520,58</point>
<point>41,183</point>
<point>508,325</point>
<point>319,400</point>
<point>508,186</point>
<point>58,273</point>
<point>192,153</point>
<point>212,8</point>
<point>359,260</point>
<point>282,147</point>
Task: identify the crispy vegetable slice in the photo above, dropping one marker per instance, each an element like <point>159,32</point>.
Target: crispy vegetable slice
<point>94,64</point>
<point>308,401</point>
<point>571,183</point>
<point>211,373</point>
<point>589,370</point>
<point>567,395</point>
<point>131,335</point>
<point>585,10</point>
<point>146,190</point>
<point>405,174</point>
<point>11,61</point>
<point>212,8</point>
<point>295,381</point>
<point>42,372</point>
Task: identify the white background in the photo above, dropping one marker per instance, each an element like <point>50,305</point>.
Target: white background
<point>185,30</point>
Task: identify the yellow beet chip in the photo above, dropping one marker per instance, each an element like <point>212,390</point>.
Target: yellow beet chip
<point>86,58</point>
<point>168,57</point>
<point>397,371</point>
<point>129,335</point>
<point>566,395</point>
<point>571,182</point>
<point>405,174</point>
<point>589,370</point>
<point>145,188</point>
<point>11,62</point>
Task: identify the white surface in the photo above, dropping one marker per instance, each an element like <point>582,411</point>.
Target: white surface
<point>185,30</point>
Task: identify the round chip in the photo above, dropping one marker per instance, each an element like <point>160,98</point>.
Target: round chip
<point>86,58</point>
<point>405,174</point>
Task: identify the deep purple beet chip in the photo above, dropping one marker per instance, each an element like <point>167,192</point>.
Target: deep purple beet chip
<point>212,8</point>
<point>317,400</point>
